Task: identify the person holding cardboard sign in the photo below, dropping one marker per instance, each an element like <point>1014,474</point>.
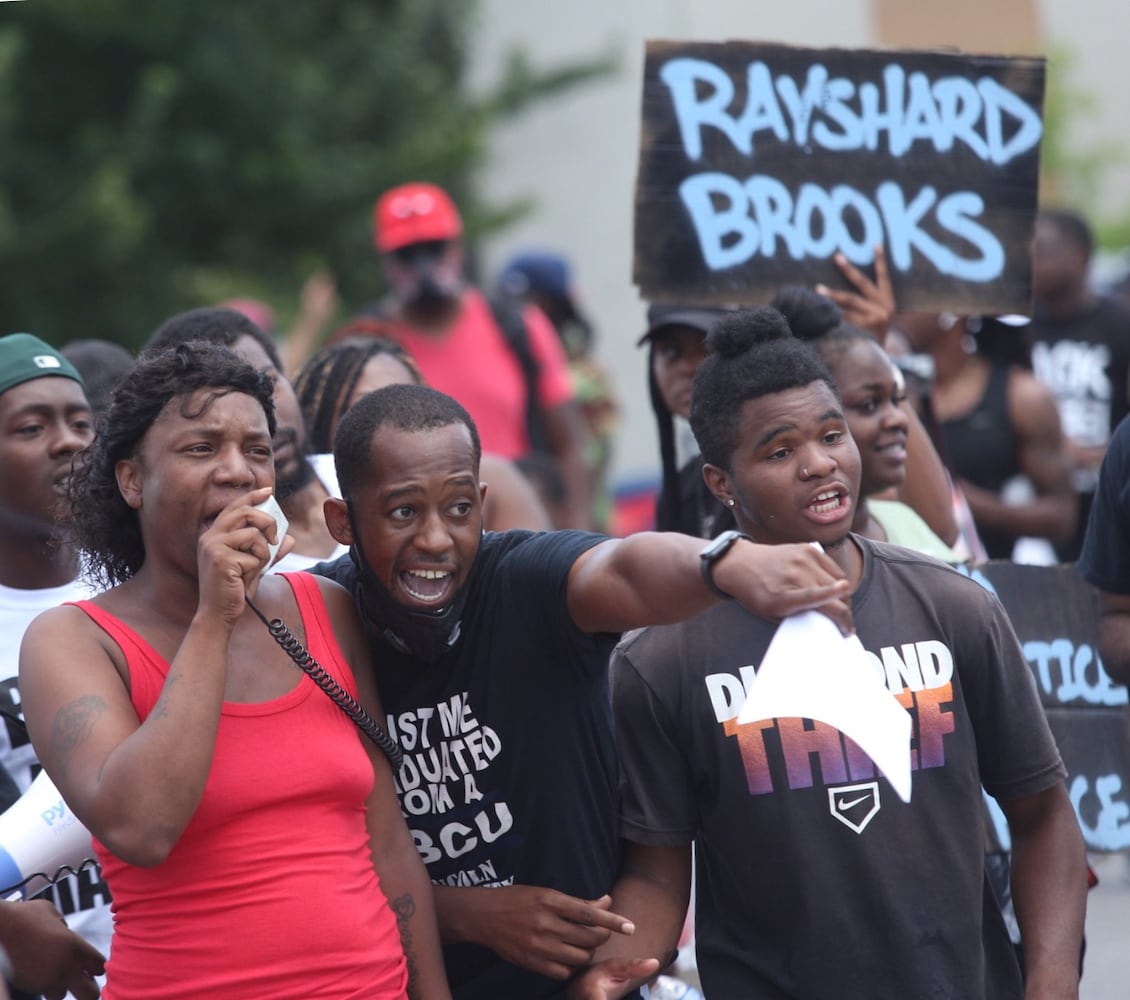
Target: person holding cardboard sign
<point>813,879</point>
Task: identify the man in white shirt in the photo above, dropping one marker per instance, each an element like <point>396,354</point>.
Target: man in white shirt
<point>45,421</point>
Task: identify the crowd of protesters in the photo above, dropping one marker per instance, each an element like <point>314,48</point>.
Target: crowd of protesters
<point>553,764</point>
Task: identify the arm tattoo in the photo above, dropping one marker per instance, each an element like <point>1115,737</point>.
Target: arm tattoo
<point>161,709</point>
<point>73,724</point>
<point>405,909</point>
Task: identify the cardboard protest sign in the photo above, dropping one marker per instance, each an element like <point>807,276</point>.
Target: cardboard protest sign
<point>1055,615</point>
<point>759,162</point>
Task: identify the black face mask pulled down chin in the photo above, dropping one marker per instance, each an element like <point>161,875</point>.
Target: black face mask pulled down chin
<point>425,635</point>
<point>429,298</point>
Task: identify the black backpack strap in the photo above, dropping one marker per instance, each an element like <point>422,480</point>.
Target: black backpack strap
<point>507,313</point>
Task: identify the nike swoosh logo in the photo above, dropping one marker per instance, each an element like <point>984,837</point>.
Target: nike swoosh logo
<point>843,804</point>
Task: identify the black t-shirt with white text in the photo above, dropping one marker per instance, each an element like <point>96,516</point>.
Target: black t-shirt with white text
<point>510,773</point>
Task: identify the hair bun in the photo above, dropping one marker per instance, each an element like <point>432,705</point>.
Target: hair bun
<point>738,331</point>
<point>809,314</point>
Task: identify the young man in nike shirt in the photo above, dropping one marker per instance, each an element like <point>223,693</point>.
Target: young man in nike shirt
<point>814,879</point>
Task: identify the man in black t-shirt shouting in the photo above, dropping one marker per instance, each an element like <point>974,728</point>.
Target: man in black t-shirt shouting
<point>491,654</point>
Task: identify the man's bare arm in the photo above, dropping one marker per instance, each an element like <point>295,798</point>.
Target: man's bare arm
<point>1049,887</point>
<point>653,890</point>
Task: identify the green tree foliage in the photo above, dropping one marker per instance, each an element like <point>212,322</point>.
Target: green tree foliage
<point>157,156</point>
<point>1072,171</point>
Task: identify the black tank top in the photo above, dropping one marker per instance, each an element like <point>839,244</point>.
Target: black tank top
<point>982,446</point>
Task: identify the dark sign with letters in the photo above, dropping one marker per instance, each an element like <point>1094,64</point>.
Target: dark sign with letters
<point>759,163</point>
<point>1055,615</point>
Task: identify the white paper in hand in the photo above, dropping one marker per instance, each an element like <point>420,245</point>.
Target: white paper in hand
<point>812,671</point>
<point>271,506</point>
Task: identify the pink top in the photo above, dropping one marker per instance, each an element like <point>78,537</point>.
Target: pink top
<point>472,362</point>
<point>270,891</point>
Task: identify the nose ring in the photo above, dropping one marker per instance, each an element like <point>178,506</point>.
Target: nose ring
<point>804,472</point>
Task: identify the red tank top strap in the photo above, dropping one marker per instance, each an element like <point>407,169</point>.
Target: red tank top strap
<point>130,642</point>
<point>147,668</point>
<point>320,641</point>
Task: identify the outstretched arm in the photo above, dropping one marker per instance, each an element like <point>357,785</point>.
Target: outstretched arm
<point>1049,887</point>
<point>655,578</point>
<point>317,303</point>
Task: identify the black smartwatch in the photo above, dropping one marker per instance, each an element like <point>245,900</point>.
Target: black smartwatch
<point>715,551</point>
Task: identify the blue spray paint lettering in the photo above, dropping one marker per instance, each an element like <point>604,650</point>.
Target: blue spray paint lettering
<point>837,114</point>
<point>738,221</point>
<point>1078,669</point>
<point>1111,829</point>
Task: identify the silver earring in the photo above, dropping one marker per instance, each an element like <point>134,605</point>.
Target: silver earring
<point>731,502</point>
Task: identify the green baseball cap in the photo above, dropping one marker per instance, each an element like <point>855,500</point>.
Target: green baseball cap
<point>24,357</point>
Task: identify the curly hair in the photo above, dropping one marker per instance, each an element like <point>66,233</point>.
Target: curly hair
<point>328,379</point>
<point>753,353</point>
<point>818,321</point>
<point>403,407</point>
<point>105,528</point>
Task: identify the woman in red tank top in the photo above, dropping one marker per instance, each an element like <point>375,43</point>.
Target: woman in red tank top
<point>249,833</point>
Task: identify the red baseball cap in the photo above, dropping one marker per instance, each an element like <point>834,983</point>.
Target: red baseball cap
<point>414,213</point>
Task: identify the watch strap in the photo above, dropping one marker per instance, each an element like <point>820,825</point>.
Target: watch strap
<point>714,551</point>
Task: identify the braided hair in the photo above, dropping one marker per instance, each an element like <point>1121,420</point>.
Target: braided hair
<point>328,379</point>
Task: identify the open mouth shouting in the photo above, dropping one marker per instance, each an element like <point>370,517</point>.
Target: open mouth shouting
<point>428,586</point>
<point>831,505</point>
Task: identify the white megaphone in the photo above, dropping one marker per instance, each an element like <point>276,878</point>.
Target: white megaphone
<point>39,835</point>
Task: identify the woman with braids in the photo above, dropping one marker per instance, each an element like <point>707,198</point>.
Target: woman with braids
<point>676,339</point>
<point>360,360</point>
<point>250,835</point>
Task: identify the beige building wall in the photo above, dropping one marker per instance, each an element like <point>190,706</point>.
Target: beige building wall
<point>1008,26</point>
<point>574,157</point>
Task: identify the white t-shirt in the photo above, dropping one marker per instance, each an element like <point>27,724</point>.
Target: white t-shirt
<point>293,562</point>
<point>17,609</point>
<point>83,899</point>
